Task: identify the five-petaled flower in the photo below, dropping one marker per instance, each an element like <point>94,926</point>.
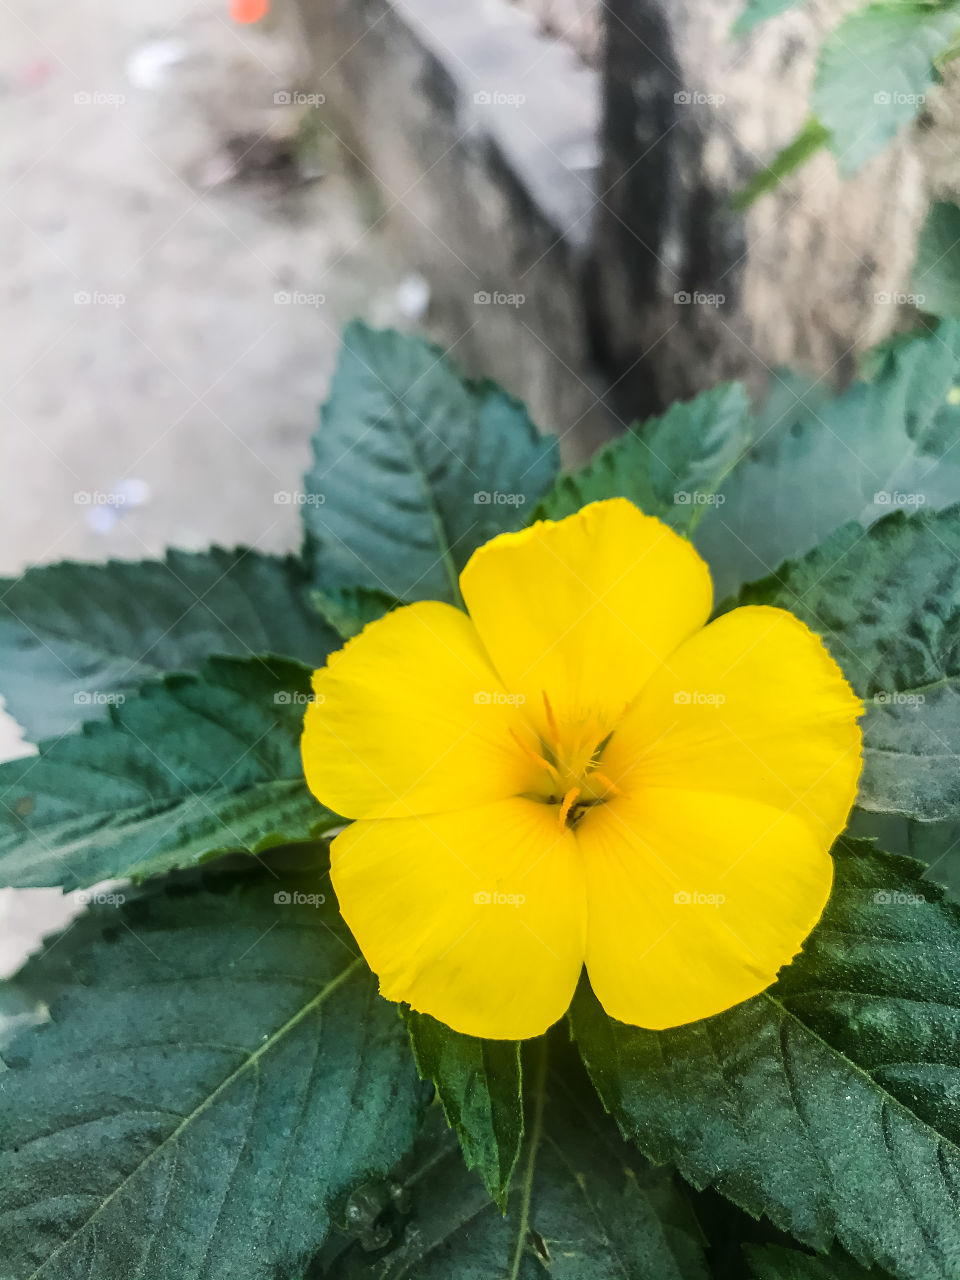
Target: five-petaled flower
<point>579,770</point>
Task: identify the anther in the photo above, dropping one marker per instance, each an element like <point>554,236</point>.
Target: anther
<point>566,805</point>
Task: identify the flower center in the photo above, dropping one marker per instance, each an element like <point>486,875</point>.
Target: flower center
<point>569,758</point>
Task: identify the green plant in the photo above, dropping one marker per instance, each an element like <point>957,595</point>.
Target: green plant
<point>198,1076</point>
<point>873,73</point>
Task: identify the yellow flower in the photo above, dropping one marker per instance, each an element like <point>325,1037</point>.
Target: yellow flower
<point>582,772</point>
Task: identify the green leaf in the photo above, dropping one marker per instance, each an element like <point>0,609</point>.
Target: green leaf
<point>349,610</point>
<point>887,604</point>
<point>771,1262</point>
<point>873,73</point>
<point>218,1074</point>
<point>585,1208</point>
<point>811,139</point>
<point>479,1084</point>
<point>938,845</point>
<point>830,1102</point>
<point>820,462</point>
<point>894,832</point>
<point>757,11</point>
<point>414,468</point>
<point>193,764</point>
<point>936,272</point>
<point>73,635</point>
<point>671,467</point>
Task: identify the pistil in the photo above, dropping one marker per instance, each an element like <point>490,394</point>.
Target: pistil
<point>570,759</point>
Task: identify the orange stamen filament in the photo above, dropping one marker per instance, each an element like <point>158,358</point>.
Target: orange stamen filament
<point>605,782</point>
<point>551,719</point>
<point>536,758</point>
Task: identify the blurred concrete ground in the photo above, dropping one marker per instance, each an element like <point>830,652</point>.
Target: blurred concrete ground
<point>156,200</point>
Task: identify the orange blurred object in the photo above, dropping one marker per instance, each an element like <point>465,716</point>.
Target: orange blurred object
<point>249,10</point>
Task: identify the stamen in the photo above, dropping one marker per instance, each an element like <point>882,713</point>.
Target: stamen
<point>551,720</point>
<point>537,759</point>
<point>566,805</point>
<point>605,782</point>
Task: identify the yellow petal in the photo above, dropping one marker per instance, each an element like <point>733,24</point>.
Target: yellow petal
<point>752,706</point>
<point>738,766</point>
<point>477,917</point>
<point>695,901</point>
<point>410,717</point>
<point>586,608</point>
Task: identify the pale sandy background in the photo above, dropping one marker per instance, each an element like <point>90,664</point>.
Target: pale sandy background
<point>144,156</point>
